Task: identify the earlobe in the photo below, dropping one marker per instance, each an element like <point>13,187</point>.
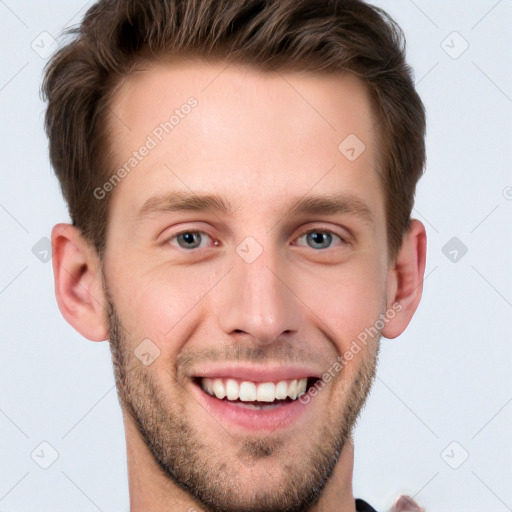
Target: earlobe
<point>405,283</point>
<point>78,282</point>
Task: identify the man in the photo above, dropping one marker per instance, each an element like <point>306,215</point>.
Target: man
<point>240,176</point>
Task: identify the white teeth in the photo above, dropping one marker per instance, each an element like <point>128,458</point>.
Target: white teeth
<point>247,391</point>
<point>219,389</point>
<point>266,392</point>
<point>207,385</point>
<point>292,390</point>
<point>282,390</point>
<point>232,389</point>
<point>302,385</point>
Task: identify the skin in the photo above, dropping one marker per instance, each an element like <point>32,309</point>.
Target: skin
<point>261,140</point>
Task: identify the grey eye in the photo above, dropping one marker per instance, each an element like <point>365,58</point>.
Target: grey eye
<point>189,239</point>
<point>319,239</point>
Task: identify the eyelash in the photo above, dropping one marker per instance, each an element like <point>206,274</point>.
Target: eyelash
<point>312,230</point>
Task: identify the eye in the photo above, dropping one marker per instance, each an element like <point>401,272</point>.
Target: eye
<point>320,238</point>
<point>190,239</point>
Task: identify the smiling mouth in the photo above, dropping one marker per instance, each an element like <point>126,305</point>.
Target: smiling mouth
<point>255,395</point>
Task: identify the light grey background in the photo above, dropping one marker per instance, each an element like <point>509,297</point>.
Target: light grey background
<point>443,389</point>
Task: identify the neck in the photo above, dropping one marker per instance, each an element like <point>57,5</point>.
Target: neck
<point>337,494</point>
<point>151,489</point>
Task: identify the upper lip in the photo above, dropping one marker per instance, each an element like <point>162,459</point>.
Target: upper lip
<point>256,373</point>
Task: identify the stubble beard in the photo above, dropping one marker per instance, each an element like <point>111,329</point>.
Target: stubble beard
<point>179,451</point>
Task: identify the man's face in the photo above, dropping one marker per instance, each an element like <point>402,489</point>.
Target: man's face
<point>246,294</point>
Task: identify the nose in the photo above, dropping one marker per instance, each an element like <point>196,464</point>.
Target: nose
<point>256,300</point>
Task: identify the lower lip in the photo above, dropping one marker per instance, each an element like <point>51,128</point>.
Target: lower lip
<point>277,417</point>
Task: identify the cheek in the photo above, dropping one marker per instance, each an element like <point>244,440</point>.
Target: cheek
<point>346,302</point>
<point>162,302</point>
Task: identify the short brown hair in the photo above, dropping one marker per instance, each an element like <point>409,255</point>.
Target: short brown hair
<point>310,35</point>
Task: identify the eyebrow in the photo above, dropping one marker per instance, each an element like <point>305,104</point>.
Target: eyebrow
<point>184,201</point>
<point>325,204</point>
<point>331,204</point>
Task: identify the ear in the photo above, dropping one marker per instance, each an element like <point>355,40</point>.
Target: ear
<point>405,279</point>
<point>78,282</point>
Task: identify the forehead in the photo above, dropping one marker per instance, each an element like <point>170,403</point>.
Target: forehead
<point>263,134</point>
<point>325,100</point>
